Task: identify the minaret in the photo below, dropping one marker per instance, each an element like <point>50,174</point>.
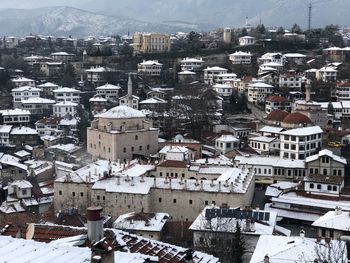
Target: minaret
<point>308,90</point>
<point>130,91</point>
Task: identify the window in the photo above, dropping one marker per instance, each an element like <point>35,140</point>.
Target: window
<point>136,137</point>
<point>24,192</point>
<point>73,193</point>
<point>59,192</point>
<point>190,202</point>
<point>159,199</point>
<point>132,149</point>
<point>311,186</point>
<point>124,149</point>
<point>147,146</point>
<point>103,198</point>
<point>335,188</point>
<point>174,201</point>
<point>324,171</point>
<point>206,202</point>
<point>140,148</point>
<point>318,187</point>
<point>81,194</point>
<point>98,197</point>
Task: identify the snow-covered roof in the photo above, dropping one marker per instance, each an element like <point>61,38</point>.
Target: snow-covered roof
<point>241,53</point>
<point>271,129</point>
<point>22,153</point>
<point>141,221</point>
<point>38,100</point>
<point>216,68</point>
<point>65,103</point>
<point>304,131</point>
<point>261,85</point>
<point>108,86</point>
<point>23,131</point>
<point>153,101</point>
<point>282,249</point>
<point>328,153</point>
<point>121,112</point>
<point>61,54</point>
<point>96,70</point>
<point>68,122</point>
<point>294,55</point>
<point>97,99</point>
<point>174,149</point>
<point>39,252</point>
<point>337,219</point>
<point>227,138</point>
<point>67,90</point>
<point>270,160</point>
<point>22,184</point>
<point>14,112</point>
<point>192,60</point>
<point>70,147</point>
<point>25,88</point>
<point>48,85</point>
<point>22,79</point>
<point>228,224</point>
<point>186,72</point>
<point>263,139</point>
<point>328,69</point>
<point>5,128</point>
<point>150,63</point>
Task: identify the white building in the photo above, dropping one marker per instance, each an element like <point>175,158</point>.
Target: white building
<point>343,91</point>
<point>277,103</point>
<point>16,116</point>
<point>109,91</point>
<point>5,135</point>
<point>176,153</point>
<point>226,143</point>
<point>300,143</point>
<point>210,74</point>
<point>61,109</point>
<point>38,105</point>
<point>258,92</point>
<point>240,57</point>
<point>224,90</point>
<point>247,41</point>
<point>62,56</point>
<point>227,78</point>
<point>272,57</point>
<point>21,81</point>
<point>150,68</point>
<point>290,80</point>
<point>296,58</point>
<point>96,75</point>
<point>327,74</point>
<point>264,144</point>
<point>47,88</point>
<point>24,93</point>
<point>191,64</point>
<point>67,95</point>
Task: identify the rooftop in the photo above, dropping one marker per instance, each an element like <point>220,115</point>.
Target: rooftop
<point>121,112</point>
<point>141,221</point>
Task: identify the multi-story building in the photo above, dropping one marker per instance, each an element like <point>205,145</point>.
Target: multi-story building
<point>227,78</point>
<point>277,103</point>
<point>210,73</point>
<point>300,143</point>
<point>97,75</point>
<point>150,68</point>
<point>240,57</point>
<point>24,93</point>
<point>327,74</point>
<point>121,133</point>
<point>264,144</point>
<point>191,64</point>
<point>224,90</point>
<point>5,135</point>
<point>290,80</point>
<point>65,108</point>
<point>151,43</point>
<point>226,143</point>
<point>272,57</point>
<point>258,92</point>
<point>62,56</point>
<point>295,58</point>
<point>47,89</point>
<point>343,91</point>
<point>38,106</point>
<point>16,116</point>
<point>48,126</point>
<point>67,95</point>
<point>51,69</point>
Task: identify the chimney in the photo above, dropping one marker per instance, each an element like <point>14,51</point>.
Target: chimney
<point>302,233</point>
<point>94,223</point>
<point>266,259</point>
<point>188,256</point>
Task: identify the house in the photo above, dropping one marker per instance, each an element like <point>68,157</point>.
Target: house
<point>176,153</point>
<point>62,56</point>
<point>295,58</point>
<point>333,225</point>
<point>38,106</point>
<point>98,104</point>
<point>301,143</point>
<point>151,43</point>
<point>21,136</point>
<point>277,58</point>
<point>191,64</point>
<point>224,90</point>
<point>48,126</point>
<point>65,108</point>
<point>16,116</point>
<point>97,75</point>
<point>109,92</point>
<point>148,225</point>
<point>129,100</point>
<point>327,74</point>
<point>291,80</point>
<point>227,78</point>
<point>277,103</point>
<point>226,143</point>
<point>284,249</point>
<point>120,133</point>
<point>5,135</point>
<point>264,144</point>
<point>258,91</point>
<point>240,57</point>
<point>150,68</point>
<point>246,41</point>
<point>24,93</point>
<point>22,81</point>
<point>216,226</point>
<point>50,69</point>
<point>153,104</point>
<point>271,131</point>
<point>67,95</point>
<point>47,89</point>
<point>186,76</point>
<point>343,91</point>
<point>210,74</point>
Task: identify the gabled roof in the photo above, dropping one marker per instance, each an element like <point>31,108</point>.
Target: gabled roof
<point>303,131</point>
<point>339,220</point>
<point>328,153</point>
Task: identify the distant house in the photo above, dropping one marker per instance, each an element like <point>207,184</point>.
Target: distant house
<point>67,95</point>
<point>16,116</point>
<point>109,92</point>
<point>24,93</point>
<point>62,109</point>
<point>226,143</point>
<point>240,57</point>
<point>247,41</point>
<point>21,136</point>
<point>191,64</point>
<point>210,73</point>
<point>150,68</point>
<point>22,81</point>
<point>62,56</point>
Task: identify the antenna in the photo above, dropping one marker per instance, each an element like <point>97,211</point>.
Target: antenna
<point>309,17</point>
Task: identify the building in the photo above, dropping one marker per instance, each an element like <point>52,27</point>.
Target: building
<point>227,78</point>
<point>277,58</point>
<point>150,68</point>
<point>38,106</point>
<point>327,74</point>
<point>291,80</point>
<point>277,103</point>
<point>301,143</point>
<point>48,126</point>
<point>67,95</point>
<point>226,143</point>
<point>50,69</point>
<point>109,92</point>
<point>129,100</point>
<point>258,92</point>
<point>247,41</point>
<point>151,43</point>
<point>227,36</point>
<point>21,81</point>
<point>224,90</point>
<point>153,104</point>
<point>186,76</point>
<point>65,108</point>
<point>24,93</point>
<point>5,135</point>
<point>191,64</point>
<point>240,57</point>
<point>264,144</point>
<point>343,91</point>
<point>21,136</point>
<point>295,58</point>
<point>148,225</point>
<point>62,56</point>
<point>47,89</point>
<point>120,133</point>
<point>16,116</point>
<point>98,104</point>
<point>97,75</point>
<point>210,73</point>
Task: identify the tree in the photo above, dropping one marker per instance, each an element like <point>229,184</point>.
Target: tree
<point>261,29</point>
<point>330,108</point>
<point>83,123</point>
<point>296,29</point>
<point>238,246</point>
<point>193,41</point>
<point>69,77</point>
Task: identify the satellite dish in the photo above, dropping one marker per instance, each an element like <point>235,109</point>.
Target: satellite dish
<point>30,231</point>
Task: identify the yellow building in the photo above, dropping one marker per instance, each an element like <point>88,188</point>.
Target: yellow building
<point>151,43</point>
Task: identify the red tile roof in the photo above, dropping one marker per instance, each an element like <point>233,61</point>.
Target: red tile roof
<point>343,84</point>
<point>296,118</point>
<point>171,163</point>
<point>277,115</point>
<point>276,99</point>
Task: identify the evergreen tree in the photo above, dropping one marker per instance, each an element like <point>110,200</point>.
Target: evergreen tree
<point>238,246</point>
<point>69,78</point>
<point>330,108</point>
